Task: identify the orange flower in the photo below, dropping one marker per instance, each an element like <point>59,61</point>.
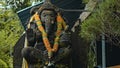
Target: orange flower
<point>60,25</point>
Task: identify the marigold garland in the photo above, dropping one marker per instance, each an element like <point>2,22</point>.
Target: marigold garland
<point>60,25</point>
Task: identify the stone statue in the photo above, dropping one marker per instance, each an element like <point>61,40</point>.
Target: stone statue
<point>48,38</point>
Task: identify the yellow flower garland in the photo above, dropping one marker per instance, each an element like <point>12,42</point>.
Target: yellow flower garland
<point>60,25</point>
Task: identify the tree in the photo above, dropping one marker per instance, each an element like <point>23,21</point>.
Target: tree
<point>106,19</point>
<point>17,5</point>
<point>10,31</point>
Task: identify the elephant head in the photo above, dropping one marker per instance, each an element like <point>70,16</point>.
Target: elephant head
<point>48,19</point>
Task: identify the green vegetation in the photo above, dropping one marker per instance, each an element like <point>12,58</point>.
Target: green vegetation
<point>3,64</point>
<point>105,19</point>
<point>85,1</point>
<point>10,31</point>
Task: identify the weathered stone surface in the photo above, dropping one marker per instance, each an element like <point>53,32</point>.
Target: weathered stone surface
<point>17,57</point>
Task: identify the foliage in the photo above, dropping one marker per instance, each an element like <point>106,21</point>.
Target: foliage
<point>105,20</point>
<point>89,31</point>
<point>85,1</point>
<point>20,4</point>
<point>92,60</point>
<point>10,31</point>
<point>3,64</point>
